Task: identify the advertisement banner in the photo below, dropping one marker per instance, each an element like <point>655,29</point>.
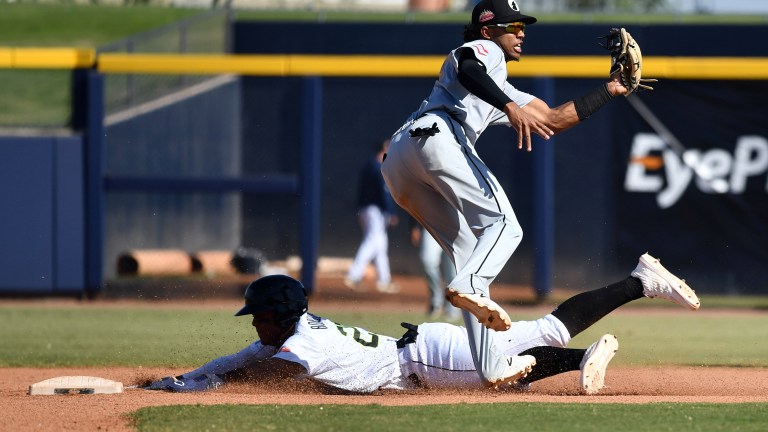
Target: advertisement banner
<point>694,185</point>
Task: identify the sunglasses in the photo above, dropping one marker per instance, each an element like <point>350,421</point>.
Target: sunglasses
<point>514,28</point>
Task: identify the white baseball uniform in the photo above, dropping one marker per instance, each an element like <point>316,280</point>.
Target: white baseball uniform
<point>374,247</point>
<point>354,359</point>
<point>348,358</point>
<point>441,181</point>
<point>441,356</point>
<point>375,206</point>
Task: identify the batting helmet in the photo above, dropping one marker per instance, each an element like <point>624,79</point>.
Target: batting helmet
<point>281,294</point>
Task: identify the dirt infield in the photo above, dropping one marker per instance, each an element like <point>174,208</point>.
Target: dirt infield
<point>110,412</point>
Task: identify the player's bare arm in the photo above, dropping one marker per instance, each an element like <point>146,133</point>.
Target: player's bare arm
<point>571,113</point>
<point>556,119</point>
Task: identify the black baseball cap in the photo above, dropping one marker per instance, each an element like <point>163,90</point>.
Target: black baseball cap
<point>498,12</point>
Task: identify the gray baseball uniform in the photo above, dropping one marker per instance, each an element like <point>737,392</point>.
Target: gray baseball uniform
<point>442,182</point>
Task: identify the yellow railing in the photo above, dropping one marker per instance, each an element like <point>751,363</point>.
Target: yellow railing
<point>46,58</point>
<point>716,68</point>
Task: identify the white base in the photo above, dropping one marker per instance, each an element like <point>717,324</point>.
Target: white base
<point>76,385</point>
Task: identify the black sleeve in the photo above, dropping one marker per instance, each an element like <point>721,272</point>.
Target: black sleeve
<point>473,77</point>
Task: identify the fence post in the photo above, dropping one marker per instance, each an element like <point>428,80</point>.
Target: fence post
<point>94,182</point>
<point>311,145</point>
<point>543,199</point>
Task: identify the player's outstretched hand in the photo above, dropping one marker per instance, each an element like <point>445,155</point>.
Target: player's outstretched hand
<point>526,124</point>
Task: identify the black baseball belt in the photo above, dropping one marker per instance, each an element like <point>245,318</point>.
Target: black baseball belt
<point>410,335</point>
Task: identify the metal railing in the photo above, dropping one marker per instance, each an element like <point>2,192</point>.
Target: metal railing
<point>205,33</point>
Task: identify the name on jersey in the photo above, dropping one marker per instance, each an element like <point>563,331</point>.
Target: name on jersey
<point>655,168</point>
<point>315,322</point>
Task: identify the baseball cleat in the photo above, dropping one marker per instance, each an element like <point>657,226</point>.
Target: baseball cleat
<point>595,362</point>
<point>519,366</point>
<point>659,282</point>
<point>487,312</point>
<point>388,287</point>
<point>353,285</point>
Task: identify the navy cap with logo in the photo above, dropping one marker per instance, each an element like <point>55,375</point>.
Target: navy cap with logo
<point>498,12</point>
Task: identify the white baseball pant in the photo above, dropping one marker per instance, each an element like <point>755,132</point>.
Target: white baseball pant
<point>374,246</point>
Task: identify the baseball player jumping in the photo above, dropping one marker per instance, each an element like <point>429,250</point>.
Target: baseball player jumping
<point>295,344</point>
<point>434,172</point>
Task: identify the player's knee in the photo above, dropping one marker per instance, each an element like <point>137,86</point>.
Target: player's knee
<point>513,233</point>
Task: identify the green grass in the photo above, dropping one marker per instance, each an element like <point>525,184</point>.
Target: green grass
<point>463,17</point>
<point>709,302</point>
<point>42,97</point>
<point>182,338</point>
<point>734,301</point>
<point>87,334</point>
<point>685,339</point>
<point>540,417</point>
<point>35,97</point>
<point>33,24</point>
<point>69,25</point>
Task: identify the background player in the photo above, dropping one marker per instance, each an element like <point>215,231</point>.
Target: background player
<point>295,344</point>
<point>434,172</point>
<point>376,212</point>
<point>438,271</point>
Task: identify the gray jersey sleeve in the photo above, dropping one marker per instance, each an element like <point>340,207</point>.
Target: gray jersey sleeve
<point>248,355</point>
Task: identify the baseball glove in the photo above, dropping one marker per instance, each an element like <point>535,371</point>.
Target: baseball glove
<point>627,60</point>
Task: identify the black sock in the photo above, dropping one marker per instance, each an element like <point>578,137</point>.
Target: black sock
<point>552,361</point>
<point>582,310</point>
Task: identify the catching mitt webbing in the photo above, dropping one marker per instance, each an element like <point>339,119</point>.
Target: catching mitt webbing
<point>627,60</point>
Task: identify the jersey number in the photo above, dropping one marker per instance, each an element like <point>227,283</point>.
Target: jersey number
<point>357,336</point>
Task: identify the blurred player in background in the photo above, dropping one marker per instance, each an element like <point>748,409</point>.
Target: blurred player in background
<point>295,344</point>
<point>438,271</point>
<point>376,213</point>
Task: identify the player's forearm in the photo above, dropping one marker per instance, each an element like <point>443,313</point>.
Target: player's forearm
<point>571,113</point>
<point>239,360</point>
<point>221,366</point>
<point>592,101</point>
<point>563,117</point>
<point>558,119</point>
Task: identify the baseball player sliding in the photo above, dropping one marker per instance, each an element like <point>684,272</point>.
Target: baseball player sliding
<point>434,172</point>
<point>295,344</point>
